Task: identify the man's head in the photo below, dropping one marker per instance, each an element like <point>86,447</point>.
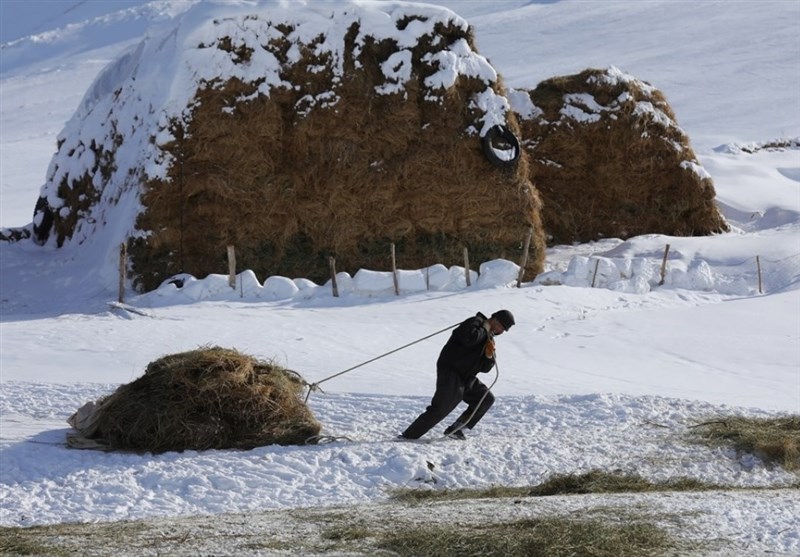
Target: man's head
<point>501,321</point>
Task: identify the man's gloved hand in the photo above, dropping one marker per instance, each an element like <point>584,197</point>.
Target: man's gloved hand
<point>489,349</point>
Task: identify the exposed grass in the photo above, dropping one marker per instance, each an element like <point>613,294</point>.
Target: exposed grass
<point>777,144</point>
<point>774,440</point>
<point>347,532</point>
<point>414,495</point>
<point>596,531</point>
<point>585,533</point>
<point>551,537</point>
<point>259,545</point>
<point>124,538</point>
<point>58,540</point>
<point>16,541</point>
<point>595,481</point>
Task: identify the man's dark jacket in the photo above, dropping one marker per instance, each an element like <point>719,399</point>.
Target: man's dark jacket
<point>464,352</point>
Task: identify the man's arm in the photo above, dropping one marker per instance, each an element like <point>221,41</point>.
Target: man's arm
<point>473,331</point>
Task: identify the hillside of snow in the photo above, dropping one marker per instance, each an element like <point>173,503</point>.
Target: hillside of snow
<point>610,363</point>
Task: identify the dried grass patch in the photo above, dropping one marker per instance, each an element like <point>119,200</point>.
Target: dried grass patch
<point>551,536</point>
<point>774,440</point>
<point>594,481</point>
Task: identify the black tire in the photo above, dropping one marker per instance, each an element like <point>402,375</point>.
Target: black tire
<point>41,231</point>
<point>499,139</point>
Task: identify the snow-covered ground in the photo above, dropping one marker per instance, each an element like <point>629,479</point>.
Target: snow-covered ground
<point>607,377</point>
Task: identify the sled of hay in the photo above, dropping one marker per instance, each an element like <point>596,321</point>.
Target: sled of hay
<point>609,160</point>
<point>313,130</point>
<point>210,398</point>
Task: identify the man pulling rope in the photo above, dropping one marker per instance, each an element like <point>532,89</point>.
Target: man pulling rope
<point>469,350</point>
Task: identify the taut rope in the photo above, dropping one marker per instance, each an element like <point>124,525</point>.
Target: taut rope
<point>315,386</point>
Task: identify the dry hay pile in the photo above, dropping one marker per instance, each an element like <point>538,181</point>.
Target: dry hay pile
<point>330,134</point>
<point>609,160</point>
<point>331,168</point>
<point>210,398</point>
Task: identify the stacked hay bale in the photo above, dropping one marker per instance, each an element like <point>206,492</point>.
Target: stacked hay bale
<point>210,398</point>
<point>326,130</point>
<point>609,160</point>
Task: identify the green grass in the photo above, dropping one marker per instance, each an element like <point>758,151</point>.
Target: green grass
<point>776,441</point>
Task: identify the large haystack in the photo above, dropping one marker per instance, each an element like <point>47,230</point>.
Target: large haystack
<point>210,398</point>
<point>330,129</point>
<point>609,160</point>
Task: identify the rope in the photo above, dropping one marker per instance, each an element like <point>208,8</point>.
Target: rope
<point>480,402</point>
<point>325,439</point>
<point>315,386</point>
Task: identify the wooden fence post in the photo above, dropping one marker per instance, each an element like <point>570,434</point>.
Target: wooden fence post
<point>232,267</point>
<point>394,274</point>
<point>664,266</point>
<point>466,266</point>
<point>594,277</point>
<point>525,246</point>
<point>332,263</point>
<point>123,265</point>
<point>758,265</point>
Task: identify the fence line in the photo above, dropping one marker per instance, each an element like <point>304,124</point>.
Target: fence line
<point>760,262</point>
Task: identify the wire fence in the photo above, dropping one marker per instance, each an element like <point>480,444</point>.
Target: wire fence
<point>639,274</point>
<point>763,274</point>
<point>748,276</point>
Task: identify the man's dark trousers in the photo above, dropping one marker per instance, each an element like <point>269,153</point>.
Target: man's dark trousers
<point>450,390</point>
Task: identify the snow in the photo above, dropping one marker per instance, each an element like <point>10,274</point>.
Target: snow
<point>575,109</point>
<point>607,376</point>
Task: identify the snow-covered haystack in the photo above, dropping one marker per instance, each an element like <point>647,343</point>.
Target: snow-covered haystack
<point>609,160</point>
<point>210,398</point>
<point>294,132</point>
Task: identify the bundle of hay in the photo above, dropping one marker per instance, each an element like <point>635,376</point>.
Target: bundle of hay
<point>210,398</point>
<point>609,160</point>
<point>295,133</point>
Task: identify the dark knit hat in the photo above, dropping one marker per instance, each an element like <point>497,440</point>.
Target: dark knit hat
<point>505,318</point>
